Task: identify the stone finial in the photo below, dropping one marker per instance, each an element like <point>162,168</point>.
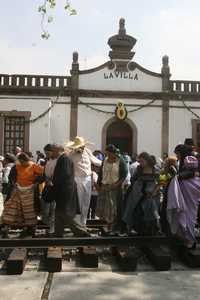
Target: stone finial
<point>75,64</point>
<point>122,29</point>
<point>165,66</point>
<point>121,44</point>
<point>75,57</point>
<point>165,61</point>
<point>165,73</point>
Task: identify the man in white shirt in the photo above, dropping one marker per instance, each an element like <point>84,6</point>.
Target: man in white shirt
<point>83,159</point>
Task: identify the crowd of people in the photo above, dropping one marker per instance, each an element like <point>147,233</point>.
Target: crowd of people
<point>66,185</point>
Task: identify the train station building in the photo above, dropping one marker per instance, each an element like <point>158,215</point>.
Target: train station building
<point>118,102</point>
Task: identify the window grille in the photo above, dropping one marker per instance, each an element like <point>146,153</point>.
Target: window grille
<point>14,133</point>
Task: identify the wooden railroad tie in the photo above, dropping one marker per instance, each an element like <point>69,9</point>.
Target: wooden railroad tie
<point>54,259</point>
<point>161,259</point>
<point>88,257</point>
<point>16,261</point>
<point>190,257</point>
<point>126,260</point>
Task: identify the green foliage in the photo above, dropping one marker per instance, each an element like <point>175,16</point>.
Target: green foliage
<point>50,19</point>
<point>45,35</point>
<point>47,18</point>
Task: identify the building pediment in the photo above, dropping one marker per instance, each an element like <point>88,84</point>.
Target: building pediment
<point>120,76</point>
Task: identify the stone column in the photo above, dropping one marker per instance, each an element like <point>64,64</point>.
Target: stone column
<point>74,96</point>
<point>165,74</point>
<point>165,104</point>
<point>1,135</point>
<point>165,126</point>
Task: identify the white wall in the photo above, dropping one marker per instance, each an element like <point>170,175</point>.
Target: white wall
<point>39,131</point>
<point>53,127</point>
<point>60,123</point>
<point>97,81</point>
<point>148,122</point>
<point>180,123</point>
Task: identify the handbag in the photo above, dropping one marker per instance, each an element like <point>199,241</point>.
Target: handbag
<point>48,194</point>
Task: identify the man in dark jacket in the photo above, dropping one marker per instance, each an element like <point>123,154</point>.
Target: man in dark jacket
<point>65,194</point>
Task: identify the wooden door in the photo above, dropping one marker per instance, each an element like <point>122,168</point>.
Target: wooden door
<point>120,134</point>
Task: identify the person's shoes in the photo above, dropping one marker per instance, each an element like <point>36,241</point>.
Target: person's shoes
<point>113,233</point>
<point>132,233</point>
<point>83,234</point>
<point>27,233</point>
<point>116,232</point>
<point>58,235</point>
<point>193,247</point>
<point>123,234</point>
<point>50,234</point>
<point>104,232</point>
<point>23,234</point>
<point>31,232</point>
<point>4,232</point>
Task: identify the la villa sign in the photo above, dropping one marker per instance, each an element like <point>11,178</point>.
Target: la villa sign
<point>121,75</point>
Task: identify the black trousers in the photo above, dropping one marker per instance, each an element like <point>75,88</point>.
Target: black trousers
<point>92,208</point>
<point>62,219</point>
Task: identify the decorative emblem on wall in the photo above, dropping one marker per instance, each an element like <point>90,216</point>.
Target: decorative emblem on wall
<point>120,111</point>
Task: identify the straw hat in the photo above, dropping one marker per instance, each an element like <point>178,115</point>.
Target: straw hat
<point>78,143</point>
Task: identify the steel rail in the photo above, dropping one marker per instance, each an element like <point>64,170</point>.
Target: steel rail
<point>84,241</point>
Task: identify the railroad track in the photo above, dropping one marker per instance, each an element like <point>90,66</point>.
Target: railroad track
<point>136,253</point>
<point>109,259</point>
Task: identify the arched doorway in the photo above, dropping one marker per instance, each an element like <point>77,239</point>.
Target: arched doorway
<point>123,134</point>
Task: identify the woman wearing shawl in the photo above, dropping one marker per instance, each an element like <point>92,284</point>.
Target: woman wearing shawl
<point>184,197</point>
<point>143,199</point>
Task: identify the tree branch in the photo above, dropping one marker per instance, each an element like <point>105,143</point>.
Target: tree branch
<point>46,18</point>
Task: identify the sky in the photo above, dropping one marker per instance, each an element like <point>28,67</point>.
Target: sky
<point>161,27</point>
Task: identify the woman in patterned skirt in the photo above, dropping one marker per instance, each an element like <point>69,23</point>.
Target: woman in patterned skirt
<point>19,209</point>
<point>110,200</point>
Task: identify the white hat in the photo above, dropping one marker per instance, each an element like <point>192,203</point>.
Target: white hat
<point>78,143</point>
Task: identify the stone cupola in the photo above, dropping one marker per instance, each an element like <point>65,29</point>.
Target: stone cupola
<point>121,44</point>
